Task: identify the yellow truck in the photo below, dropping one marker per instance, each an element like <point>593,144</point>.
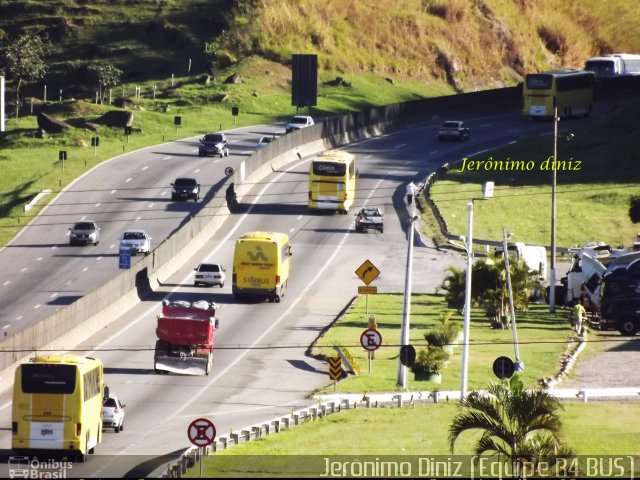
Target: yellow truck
<point>261,266</point>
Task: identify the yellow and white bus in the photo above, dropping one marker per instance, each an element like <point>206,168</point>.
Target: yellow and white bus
<point>57,405</point>
<point>332,181</point>
<point>568,90</point>
<point>261,266</point>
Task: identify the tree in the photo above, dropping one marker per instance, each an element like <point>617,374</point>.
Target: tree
<point>25,60</point>
<point>489,286</point>
<point>107,76</point>
<point>454,285</point>
<point>522,425</point>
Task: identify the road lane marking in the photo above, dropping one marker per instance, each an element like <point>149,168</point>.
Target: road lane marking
<point>98,204</point>
<point>145,167</point>
<point>6,283</point>
<point>166,158</point>
<point>99,258</point>
<point>24,270</point>
<point>38,259</point>
<point>112,192</point>
<point>128,180</point>
<point>151,205</point>
<point>85,269</point>
<point>53,295</point>
<point>37,306</point>
<point>265,332</point>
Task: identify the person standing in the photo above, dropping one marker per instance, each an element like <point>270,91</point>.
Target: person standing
<point>411,191</point>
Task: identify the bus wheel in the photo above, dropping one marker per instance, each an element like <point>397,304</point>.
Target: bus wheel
<point>276,299</point>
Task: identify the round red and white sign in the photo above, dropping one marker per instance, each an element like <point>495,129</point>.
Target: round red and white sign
<point>201,432</point>
<point>371,339</point>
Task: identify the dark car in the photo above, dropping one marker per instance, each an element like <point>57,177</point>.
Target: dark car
<point>184,189</point>
<point>83,233</point>
<point>453,130</point>
<point>213,144</point>
<point>369,218</point>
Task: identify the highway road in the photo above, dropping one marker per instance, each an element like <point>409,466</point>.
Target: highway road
<point>260,370</point>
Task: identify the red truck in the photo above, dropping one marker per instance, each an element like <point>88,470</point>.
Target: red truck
<point>185,334</point>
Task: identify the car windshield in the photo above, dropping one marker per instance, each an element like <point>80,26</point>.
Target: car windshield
<point>84,226</point>
<point>110,402</point>
<point>298,120</point>
<point>212,138</point>
<point>185,182</point>
<point>450,124</point>
<point>265,140</point>
<point>133,236</point>
<point>208,267</point>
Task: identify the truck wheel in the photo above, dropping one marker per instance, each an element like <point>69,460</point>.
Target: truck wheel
<point>381,229</point>
<point>628,326</point>
<point>276,299</point>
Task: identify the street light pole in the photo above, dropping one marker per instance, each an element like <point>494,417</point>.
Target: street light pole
<point>406,309</point>
<point>467,303</point>
<point>519,366</point>
<point>552,269</point>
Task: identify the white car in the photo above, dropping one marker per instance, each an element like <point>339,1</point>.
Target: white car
<point>298,122</point>
<point>113,413</point>
<point>209,274</point>
<point>137,241</point>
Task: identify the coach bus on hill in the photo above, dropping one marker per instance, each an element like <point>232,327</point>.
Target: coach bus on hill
<point>568,90</point>
<point>57,406</point>
<point>615,65</point>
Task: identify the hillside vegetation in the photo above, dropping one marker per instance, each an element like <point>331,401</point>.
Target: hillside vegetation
<point>469,44</point>
<point>181,54</point>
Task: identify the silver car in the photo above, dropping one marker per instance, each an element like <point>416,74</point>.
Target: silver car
<point>83,233</point>
<point>136,241</point>
<point>209,274</point>
<point>113,413</point>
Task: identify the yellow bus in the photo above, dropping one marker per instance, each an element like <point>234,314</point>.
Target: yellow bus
<point>261,266</point>
<point>570,90</point>
<point>57,405</point>
<point>332,181</point>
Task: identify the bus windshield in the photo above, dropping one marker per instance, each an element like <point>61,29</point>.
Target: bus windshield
<point>539,81</point>
<point>330,169</point>
<point>48,378</point>
<point>602,68</point>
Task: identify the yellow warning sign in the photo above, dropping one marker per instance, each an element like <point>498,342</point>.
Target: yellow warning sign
<point>367,272</point>
<point>367,290</point>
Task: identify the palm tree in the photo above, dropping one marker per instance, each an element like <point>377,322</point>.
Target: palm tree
<point>454,285</point>
<point>521,425</point>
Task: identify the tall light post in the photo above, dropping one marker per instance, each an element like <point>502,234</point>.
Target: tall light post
<point>519,366</point>
<point>406,308</point>
<point>467,303</point>
<point>552,266</point>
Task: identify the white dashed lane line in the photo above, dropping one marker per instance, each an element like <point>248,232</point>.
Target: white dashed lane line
<point>112,192</point>
<point>145,167</point>
<point>6,283</point>
<point>128,180</point>
<point>39,259</point>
